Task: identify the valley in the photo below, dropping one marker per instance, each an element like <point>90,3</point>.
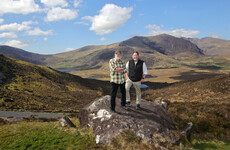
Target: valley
<point>191,80</point>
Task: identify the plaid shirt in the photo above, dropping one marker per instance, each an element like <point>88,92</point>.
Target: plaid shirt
<point>116,77</point>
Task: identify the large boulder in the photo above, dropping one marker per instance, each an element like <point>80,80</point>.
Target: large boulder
<point>152,119</point>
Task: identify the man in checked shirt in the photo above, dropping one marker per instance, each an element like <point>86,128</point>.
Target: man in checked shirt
<point>117,79</point>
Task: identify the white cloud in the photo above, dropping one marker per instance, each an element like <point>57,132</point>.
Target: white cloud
<point>109,19</point>
<point>16,27</point>
<point>8,35</point>
<point>102,39</point>
<point>38,31</point>
<point>213,35</point>
<point>17,43</point>
<point>1,20</point>
<point>58,13</point>
<point>77,3</point>
<point>69,49</point>
<point>53,3</point>
<point>18,6</point>
<point>141,14</point>
<point>156,30</point>
<point>45,38</point>
<point>82,23</point>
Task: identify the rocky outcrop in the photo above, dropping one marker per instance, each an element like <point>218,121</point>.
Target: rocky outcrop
<point>2,76</point>
<point>150,120</point>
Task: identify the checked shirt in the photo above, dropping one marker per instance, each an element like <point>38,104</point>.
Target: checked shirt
<point>116,77</point>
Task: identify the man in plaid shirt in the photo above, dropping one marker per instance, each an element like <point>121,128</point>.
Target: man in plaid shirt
<point>117,78</point>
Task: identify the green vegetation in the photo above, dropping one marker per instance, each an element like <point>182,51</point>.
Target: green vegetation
<point>205,103</point>
<point>213,64</point>
<point>46,135</point>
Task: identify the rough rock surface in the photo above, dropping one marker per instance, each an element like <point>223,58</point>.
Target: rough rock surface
<point>2,76</point>
<point>151,119</point>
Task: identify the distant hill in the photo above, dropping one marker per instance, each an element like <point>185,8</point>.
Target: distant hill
<point>23,55</point>
<point>213,46</point>
<point>26,86</point>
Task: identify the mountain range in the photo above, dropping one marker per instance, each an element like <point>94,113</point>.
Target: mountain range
<point>158,51</point>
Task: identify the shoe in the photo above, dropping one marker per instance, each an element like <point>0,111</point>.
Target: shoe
<point>114,111</point>
<point>128,104</point>
<point>124,107</point>
<point>138,106</point>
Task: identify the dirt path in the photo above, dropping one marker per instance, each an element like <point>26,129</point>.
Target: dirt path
<point>12,114</point>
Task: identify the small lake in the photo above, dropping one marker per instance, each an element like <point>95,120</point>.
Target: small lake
<point>67,70</point>
<point>144,86</point>
<point>150,76</point>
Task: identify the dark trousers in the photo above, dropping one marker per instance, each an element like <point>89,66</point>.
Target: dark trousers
<point>114,93</point>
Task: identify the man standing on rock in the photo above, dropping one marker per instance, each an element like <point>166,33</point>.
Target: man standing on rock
<point>136,74</point>
<point>117,79</point>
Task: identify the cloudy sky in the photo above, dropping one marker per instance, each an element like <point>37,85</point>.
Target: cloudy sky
<point>55,26</point>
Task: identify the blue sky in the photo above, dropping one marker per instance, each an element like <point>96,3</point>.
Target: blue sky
<point>56,26</point>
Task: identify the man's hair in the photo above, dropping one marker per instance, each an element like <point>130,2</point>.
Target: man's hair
<point>117,52</point>
<point>136,52</point>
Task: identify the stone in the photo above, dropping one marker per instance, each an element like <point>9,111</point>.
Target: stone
<point>65,121</point>
<point>186,132</point>
<point>150,120</point>
<point>8,120</point>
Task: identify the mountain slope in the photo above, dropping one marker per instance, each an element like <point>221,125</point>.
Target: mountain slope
<point>213,46</point>
<point>165,44</point>
<point>30,87</point>
<point>23,55</point>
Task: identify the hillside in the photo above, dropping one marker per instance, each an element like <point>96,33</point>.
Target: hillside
<point>212,46</point>
<point>25,86</point>
<point>204,102</point>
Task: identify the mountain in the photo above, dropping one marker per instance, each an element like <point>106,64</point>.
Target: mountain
<point>26,86</point>
<point>165,44</point>
<point>23,55</point>
<point>158,51</point>
<point>212,46</point>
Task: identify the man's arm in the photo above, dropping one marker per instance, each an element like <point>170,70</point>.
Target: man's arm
<point>145,72</point>
<point>113,67</point>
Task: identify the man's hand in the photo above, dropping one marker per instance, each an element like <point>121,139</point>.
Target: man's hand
<point>142,80</point>
<point>126,76</point>
<point>121,70</point>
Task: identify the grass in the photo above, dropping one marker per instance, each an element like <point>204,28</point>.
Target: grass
<point>210,145</point>
<point>46,135</point>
